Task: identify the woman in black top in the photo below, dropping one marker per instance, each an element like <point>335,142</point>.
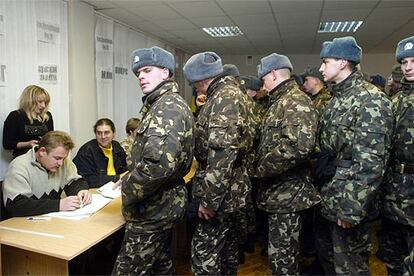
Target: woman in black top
<point>24,127</point>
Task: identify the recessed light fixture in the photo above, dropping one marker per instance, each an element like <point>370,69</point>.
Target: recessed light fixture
<point>223,31</point>
<point>339,27</point>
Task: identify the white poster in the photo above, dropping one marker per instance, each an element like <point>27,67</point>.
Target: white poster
<point>48,32</point>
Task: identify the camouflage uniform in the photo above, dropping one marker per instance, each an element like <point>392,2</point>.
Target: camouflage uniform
<point>126,144</point>
<point>287,138</point>
<point>409,264</point>
<point>357,127</point>
<point>321,100</point>
<point>397,237</point>
<point>223,136</point>
<point>153,195</point>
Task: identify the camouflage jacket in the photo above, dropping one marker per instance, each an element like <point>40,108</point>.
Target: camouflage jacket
<point>153,193</point>
<point>126,144</point>
<point>224,134</point>
<point>399,188</point>
<point>287,138</point>
<point>357,126</point>
<point>321,100</point>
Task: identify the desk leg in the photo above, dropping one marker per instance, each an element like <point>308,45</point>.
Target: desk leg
<point>17,261</point>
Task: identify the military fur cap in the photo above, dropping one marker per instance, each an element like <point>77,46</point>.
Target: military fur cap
<point>405,48</point>
<point>202,66</point>
<point>231,70</point>
<point>252,82</point>
<point>312,72</point>
<point>154,56</point>
<point>397,73</point>
<point>342,48</point>
<point>273,62</point>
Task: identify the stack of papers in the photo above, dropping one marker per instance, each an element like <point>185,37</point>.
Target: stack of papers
<point>108,191</point>
<point>98,202</point>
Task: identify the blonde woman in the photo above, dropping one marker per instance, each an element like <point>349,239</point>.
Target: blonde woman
<point>24,127</point>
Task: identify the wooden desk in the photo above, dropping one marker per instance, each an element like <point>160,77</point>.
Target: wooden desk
<point>37,253</point>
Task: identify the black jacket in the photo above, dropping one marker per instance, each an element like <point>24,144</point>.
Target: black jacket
<point>92,163</point>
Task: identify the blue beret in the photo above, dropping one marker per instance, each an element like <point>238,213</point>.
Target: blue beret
<point>312,72</point>
<point>154,56</point>
<point>405,48</point>
<point>202,66</point>
<point>231,70</point>
<point>252,82</point>
<point>342,48</point>
<point>273,62</point>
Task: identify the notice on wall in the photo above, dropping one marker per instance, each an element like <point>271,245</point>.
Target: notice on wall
<point>3,75</point>
<point>105,74</point>
<point>48,32</point>
<point>104,44</point>
<point>48,73</point>
<point>121,71</point>
<point>1,24</point>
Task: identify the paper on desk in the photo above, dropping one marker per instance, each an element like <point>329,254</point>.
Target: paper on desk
<point>98,202</point>
<point>107,191</point>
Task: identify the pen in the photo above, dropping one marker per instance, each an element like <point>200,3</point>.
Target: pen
<point>38,218</point>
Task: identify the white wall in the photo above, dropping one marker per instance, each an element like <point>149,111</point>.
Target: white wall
<point>371,63</point>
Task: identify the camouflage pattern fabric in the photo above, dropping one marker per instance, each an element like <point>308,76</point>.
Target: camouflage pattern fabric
<point>126,144</point>
<point>321,100</point>
<point>399,188</point>
<point>224,134</point>
<point>409,264</point>
<point>153,195</point>
<point>287,138</point>
<point>357,125</point>
<point>395,242</point>
<point>284,243</point>
<point>214,246</point>
<point>144,254</point>
<point>343,251</point>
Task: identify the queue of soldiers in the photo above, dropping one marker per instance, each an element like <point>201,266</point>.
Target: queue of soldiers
<point>328,157</point>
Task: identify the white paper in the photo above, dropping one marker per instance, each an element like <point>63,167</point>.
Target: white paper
<point>107,191</point>
<point>98,202</point>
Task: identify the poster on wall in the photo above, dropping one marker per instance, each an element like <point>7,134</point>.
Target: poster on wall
<point>1,24</point>
<point>106,74</point>
<point>47,32</point>
<point>104,44</point>
<point>48,73</point>
<point>121,71</point>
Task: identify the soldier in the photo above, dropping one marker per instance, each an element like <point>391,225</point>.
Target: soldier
<point>394,81</point>
<point>315,87</point>
<point>223,136</point>
<point>355,134</point>
<point>397,235</point>
<point>287,138</point>
<point>153,195</point>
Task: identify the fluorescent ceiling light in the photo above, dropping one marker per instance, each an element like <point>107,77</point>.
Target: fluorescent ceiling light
<point>339,27</point>
<point>223,31</point>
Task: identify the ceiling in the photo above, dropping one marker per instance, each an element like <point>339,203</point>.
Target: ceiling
<point>283,26</point>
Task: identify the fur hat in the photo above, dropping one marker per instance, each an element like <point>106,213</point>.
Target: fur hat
<point>252,82</point>
<point>154,56</point>
<point>405,48</point>
<point>312,72</point>
<point>231,70</point>
<point>397,73</point>
<point>342,48</point>
<point>202,66</point>
<point>273,62</point>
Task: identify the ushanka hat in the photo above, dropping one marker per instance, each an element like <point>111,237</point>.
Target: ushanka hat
<point>405,48</point>
<point>202,66</point>
<point>273,62</point>
<point>342,48</point>
<point>154,56</point>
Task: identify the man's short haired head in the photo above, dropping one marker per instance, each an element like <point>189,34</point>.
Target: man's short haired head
<point>231,70</point>
<point>104,121</point>
<point>342,48</point>
<point>154,56</point>
<point>252,82</point>
<point>202,66</point>
<point>273,62</point>
<point>54,139</point>
<point>405,48</point>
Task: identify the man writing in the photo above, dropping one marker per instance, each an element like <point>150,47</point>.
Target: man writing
<point>35,181</point>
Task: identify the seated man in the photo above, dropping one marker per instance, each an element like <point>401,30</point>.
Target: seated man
<point>102,159</point>
<point>35,180</point>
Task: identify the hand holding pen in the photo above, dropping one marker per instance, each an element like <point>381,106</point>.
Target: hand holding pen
<point>85,198</point>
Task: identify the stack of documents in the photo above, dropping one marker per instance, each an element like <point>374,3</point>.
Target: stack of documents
<point>108,191</point>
